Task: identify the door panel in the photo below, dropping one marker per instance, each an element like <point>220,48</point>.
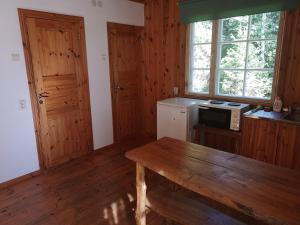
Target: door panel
<point>125,55</point>
<point>171,122</point>
<point>57,51</point>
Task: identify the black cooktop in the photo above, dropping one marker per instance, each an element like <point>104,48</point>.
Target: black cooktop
<point>234,104</point>
<point>216,102</point>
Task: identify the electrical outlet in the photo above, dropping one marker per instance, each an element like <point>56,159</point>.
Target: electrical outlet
<point>22,104</point>
<point>94,3</point>
<point>15,57</point>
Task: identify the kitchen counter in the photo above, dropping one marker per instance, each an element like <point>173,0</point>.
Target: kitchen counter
<point>261,114</point>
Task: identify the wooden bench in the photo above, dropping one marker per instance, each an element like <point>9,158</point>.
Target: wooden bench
<point>178,207</point>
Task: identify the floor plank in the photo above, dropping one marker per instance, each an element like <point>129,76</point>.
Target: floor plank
<point>98,189</point>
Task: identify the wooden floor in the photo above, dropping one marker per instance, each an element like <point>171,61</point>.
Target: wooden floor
<point>98,189</point>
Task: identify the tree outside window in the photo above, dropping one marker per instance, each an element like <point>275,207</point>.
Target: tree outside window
<point>245,56</point>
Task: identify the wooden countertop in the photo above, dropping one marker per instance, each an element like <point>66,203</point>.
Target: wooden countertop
<point>265,192</point>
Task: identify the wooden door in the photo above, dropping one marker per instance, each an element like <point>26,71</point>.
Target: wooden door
<point>55,53</point>
<point>125,56</point>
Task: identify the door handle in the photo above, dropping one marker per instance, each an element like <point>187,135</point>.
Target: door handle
<point>43,95</point>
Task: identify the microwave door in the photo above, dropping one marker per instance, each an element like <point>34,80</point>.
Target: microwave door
<point>214,117</point>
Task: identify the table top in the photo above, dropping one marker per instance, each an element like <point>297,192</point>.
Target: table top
<point>265,192</point>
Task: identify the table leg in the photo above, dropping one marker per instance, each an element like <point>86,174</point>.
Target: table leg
<point>141,195</point>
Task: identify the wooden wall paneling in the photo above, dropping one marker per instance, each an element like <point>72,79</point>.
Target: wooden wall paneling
<point>182,59</point>
<point>152,51</point>
<point>164,49</point>
<point>166,82</point>
<point>289,80</point>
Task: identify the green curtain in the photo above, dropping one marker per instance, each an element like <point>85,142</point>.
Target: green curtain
<point>201,10</point>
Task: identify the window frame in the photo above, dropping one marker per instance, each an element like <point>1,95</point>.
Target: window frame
<point>213,84</point>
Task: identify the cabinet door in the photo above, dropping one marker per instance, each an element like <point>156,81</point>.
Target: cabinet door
<point>259,139</point>
<point>288,151</point>
<point>171,122</point>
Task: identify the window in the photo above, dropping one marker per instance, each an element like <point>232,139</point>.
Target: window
<point>234,57</point>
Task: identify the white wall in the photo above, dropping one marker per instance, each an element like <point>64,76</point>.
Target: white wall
<point>18,152</point>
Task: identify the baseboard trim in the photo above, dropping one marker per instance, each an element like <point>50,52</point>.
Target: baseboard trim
<point>107,147</point>
<point>20,179</point>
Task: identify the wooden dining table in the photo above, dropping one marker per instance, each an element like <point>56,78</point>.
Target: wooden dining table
<point>266,193</point>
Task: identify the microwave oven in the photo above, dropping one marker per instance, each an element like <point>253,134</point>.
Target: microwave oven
<point>219,114</point>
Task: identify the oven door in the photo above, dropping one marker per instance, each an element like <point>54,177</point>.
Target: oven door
<point>215,117</point>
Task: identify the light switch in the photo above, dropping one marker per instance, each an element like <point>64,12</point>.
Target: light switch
<point>22,104</point>
<point>103,57</point>
<point>15,57</point>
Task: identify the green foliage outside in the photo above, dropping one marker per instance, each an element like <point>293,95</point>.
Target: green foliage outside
<point>239,74</point>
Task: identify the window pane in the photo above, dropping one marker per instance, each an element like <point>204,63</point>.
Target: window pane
<point>262,54</point>
<point>231,82</point>
<point>265,26</point>
<point>233,55</point>
<point>259,84</point>
<point>202,32</point>
<point>201,56</point>
<point>199,81</point>
<point>235,28</point>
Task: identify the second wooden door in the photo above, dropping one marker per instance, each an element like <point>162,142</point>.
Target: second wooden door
<point>125,51</point>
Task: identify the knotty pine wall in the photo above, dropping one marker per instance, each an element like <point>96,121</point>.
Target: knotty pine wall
<point>164,50</point>
<point>289,80</point>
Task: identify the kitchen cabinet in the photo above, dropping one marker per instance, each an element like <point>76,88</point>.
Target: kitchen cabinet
<point>221,139</point>
<point>259,137</point>
<point>271,141</point>
<point>288,147</point>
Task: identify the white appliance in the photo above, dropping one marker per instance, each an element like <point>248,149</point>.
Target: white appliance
<point>176,118</point>
<point>226,115</point>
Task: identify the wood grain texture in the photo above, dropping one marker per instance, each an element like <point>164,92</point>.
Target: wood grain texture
<point>126,71</point>
<point>20,179</point>
<point>141,188</point>
<point>289,80</point>
<point>55,53</point>
<point>163,46</point>
<point>265,192</point>
<point>178,206</point>
<point>259,139</point>
<point>288,154</point>
<point>271,141</point>
<point>221,139</point>
<point>98,189</point>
